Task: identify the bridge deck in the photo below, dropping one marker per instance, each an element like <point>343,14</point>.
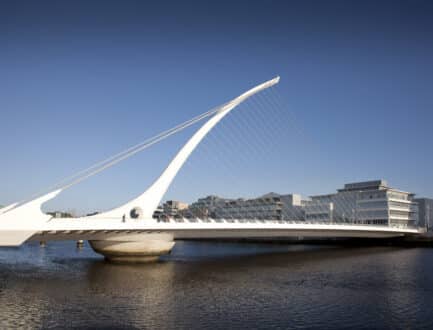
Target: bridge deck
<point>87,228</point>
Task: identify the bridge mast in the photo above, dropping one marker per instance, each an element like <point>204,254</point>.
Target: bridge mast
<point>144,205</point>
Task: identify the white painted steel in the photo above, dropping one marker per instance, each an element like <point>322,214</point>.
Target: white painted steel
<point>7,208</point>
<point>20,223</point>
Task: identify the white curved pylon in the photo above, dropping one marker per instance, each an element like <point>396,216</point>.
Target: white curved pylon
<point>150,199</point>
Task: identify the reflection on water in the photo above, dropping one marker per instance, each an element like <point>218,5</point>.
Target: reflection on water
<point>218,285</point>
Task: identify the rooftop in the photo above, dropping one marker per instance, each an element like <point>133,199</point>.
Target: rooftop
<point>365,185</point>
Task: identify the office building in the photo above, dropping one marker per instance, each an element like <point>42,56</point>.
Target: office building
<point>173,208</point>
<point>206,207</point>
<point>425,213</point>
<point>271,206</point>
<point>369,202</point>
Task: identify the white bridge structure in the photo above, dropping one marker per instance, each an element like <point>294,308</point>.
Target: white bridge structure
<point>130,233</point>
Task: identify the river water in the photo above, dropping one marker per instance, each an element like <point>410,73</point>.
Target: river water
<point>204,285</point>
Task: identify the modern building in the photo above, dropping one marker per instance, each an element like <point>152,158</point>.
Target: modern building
<point>369,202</point>
<point>174,208</point>
<point>425,213</point>
<point>60,214</point>
<point>207,207</point>
<point>158,213</point>
<point>270,206</point>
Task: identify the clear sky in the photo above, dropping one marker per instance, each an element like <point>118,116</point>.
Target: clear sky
<point>82,80</point>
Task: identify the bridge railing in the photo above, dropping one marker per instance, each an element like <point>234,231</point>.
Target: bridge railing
<point>274,221</point>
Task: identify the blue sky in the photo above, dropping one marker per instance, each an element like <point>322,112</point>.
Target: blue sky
<point>82,80</point>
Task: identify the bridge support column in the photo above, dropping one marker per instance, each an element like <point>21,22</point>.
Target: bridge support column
<point>148,248</point>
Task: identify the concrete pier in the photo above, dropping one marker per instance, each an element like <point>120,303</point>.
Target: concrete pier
<point>147,249</point>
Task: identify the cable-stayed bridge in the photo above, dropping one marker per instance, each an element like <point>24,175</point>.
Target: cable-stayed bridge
<point>129,232</point>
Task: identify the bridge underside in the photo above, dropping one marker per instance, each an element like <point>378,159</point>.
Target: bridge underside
<point>131,235</point>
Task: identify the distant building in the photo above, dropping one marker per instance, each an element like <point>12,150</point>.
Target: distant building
<point>173,209</point>
<point>207,207</point>
<point>369,202</point>
<point>269,206</point>
<point>59,214</point>
<point>159,213</point>
<point>425,213</point>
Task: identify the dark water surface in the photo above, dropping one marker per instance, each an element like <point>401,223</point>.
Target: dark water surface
<point>219,285</point>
